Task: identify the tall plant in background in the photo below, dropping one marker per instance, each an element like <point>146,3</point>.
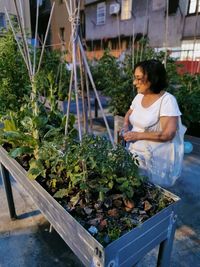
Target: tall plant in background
<point>14,81</point>
<point>114,81</point>
<point>188,96</point>
<point>57,68</point>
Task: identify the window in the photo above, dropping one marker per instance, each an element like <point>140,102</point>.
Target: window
<point>101,13</point>
<point>190,50</point>
<point>173,6</point>
<point>194,6</point>
<point>126,9</point>
<point>2,21</point>
<point>62,34</point>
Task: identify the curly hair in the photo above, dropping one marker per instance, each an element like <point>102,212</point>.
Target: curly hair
<point>155,72</point>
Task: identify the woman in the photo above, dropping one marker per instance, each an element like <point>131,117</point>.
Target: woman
<point>157,132</point>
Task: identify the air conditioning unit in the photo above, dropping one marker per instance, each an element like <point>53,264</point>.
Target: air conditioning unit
<point>114,9</point>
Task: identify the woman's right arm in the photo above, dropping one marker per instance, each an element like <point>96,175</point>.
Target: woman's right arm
<point>126,120</point>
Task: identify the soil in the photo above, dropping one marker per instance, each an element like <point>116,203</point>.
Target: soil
<point>109,219</point>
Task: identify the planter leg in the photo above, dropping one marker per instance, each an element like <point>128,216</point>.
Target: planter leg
<point>166,246</point>
<point>96,108</point>
<point>8,190</point>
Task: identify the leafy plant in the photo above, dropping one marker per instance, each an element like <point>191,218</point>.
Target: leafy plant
<point>188,96</point>
<point>91,168</point>
<point>14,82</point>
<point>114,81</point>
<point>53,68</point>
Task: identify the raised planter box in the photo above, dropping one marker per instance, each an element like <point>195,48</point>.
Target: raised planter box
<point>126,251</point>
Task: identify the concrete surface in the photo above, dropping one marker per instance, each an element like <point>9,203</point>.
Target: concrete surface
<point>27,242</point>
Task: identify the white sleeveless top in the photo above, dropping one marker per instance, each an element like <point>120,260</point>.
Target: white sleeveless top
<point>161,162</point>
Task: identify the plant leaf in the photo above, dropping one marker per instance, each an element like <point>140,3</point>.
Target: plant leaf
<point>61,193</point>
<point>19,151</point>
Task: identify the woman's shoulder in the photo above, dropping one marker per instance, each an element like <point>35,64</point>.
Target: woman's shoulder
<point>168,97</point>
<point>136,101</point>
<point>169,105</point>
<point>138,96</point>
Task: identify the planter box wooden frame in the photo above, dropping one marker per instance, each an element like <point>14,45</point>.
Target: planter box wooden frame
<point>126,251</point>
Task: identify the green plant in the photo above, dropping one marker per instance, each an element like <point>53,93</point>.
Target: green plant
<point>115,81</point>
<point>95,168</point>
<point>18,130</point>
<point>53,65</point>
<point>14,81</point>
<point>188,97</point>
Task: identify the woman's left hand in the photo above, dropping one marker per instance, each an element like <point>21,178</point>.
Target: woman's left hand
<point>131,136</point>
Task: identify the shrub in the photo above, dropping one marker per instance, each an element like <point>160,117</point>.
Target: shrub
<point>14,81</point>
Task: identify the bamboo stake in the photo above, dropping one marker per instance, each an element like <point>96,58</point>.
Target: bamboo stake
<point>75,38</point>
<point>24,32</point>
<point>18,44</point>
<point>88,100</point>
<point>45,38</point>
<point>133,45</point>
<point>71,7</point>
<point>74,29</point>
<point>74,49</point>
<point>119,37</point>
<point>195,38</point>
<point>35,41</point>
<point>68,102</point>
<point>144,30</point>
<point>68,9</point>
<point>60,66</point>
<point>137,51</point>
<point>82,91</point>
<point>26,51</point>
<point>95,90</point>
<point>166,32</point>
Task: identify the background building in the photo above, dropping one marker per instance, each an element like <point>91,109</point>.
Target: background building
<point>9,5</point>
<point>60,29</point>
<point>117,24</point>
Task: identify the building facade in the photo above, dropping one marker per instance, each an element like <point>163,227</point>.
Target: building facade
<point>61,27</point>
<point>10,7</point>
<point>117,24</point>
<point>59,36</point>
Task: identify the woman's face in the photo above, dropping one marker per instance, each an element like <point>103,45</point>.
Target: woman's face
<point>141,82</point>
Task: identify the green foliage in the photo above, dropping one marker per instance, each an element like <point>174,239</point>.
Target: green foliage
<point>53,75</point>
<point>96,167</point>
<point>14,81</point>
<point>18,129</point>
<point>115,82</point>
<point>114,233</point>
<point>188,97</point>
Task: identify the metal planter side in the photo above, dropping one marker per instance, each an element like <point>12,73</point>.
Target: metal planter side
<point>133,246</point>
<point>125,251</point>
<point>84,245</point>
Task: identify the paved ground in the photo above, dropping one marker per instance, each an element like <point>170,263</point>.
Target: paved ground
<point>27,241</point>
